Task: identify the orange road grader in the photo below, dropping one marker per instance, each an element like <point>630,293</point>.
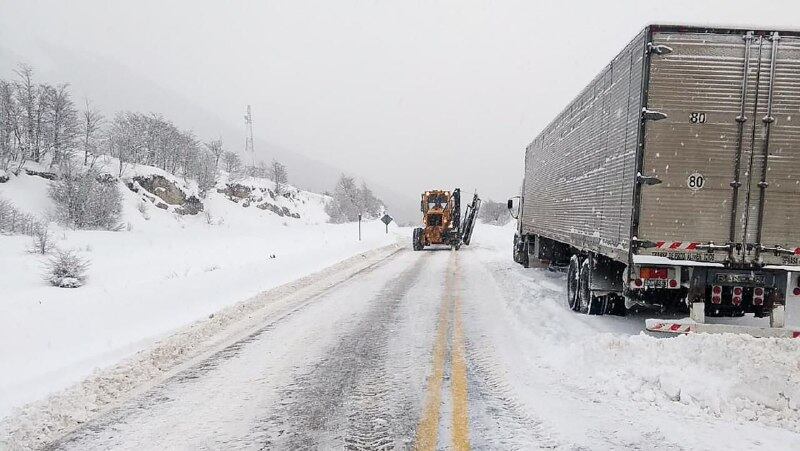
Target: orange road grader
<point>441,217</point>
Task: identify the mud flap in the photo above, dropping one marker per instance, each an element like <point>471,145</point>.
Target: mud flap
<point>470,216</point>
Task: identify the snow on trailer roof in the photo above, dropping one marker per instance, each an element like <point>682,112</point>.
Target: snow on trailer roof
<point>720,28</point>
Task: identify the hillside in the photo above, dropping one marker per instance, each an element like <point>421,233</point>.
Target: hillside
<point>176,258</point>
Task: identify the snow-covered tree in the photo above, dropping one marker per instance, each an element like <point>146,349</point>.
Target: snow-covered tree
<point>206,172</point>
<point>84,200</point>
<point>216,148</point>
<point>278,174</point>
<point>61,123</point>
<point>348,201</point>
<point>492,212</point>
<point>232,162</point>
<point>91,124</point>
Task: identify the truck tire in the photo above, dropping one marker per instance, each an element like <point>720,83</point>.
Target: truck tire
<point>573,283</point>
<point>525,256</point>
<point>515,250</point>
<point>416,240</point>
<point>589,303</point>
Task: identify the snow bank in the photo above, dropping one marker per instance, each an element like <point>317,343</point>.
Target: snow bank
<point>163,271</point>
<point>733,376</point>
<point>613,360</point>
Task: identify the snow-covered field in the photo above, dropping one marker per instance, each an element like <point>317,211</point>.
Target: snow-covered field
<point>161,272</point>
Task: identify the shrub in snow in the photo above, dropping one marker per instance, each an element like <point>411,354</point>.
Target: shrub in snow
<point>86,201</point>
<point>66,269</point>
<point>205,173</point>
<point>43,241</point>
<point>13,221</point>
<point>496,213</point>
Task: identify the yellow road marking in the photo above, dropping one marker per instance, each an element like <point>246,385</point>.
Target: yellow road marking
<point>459,370</point>
<point>428,429</point>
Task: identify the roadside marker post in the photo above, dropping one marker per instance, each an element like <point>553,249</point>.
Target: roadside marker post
<point>386,219</point>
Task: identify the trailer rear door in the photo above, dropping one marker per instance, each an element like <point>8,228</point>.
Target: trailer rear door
<point>727,152</point>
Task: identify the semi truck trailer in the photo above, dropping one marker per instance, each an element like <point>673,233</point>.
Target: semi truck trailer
<point>673,179</point>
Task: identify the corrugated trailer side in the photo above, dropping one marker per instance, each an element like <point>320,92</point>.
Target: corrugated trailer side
<point>727,150</point>
<point>580,170</point>
<point>673,179</point>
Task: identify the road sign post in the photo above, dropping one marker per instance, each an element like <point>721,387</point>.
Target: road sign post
<point>386,219</point>
<point>359,227</point>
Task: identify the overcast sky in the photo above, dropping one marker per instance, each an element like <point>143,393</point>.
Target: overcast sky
<point>418,94</point>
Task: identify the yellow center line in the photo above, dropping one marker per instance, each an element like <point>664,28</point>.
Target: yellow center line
<point>459,370</point>
<point>428,429</point>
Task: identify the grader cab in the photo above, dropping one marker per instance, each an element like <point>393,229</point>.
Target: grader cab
<point>441,218</point>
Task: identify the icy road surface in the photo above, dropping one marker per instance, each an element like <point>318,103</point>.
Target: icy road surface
<point>449,350</point>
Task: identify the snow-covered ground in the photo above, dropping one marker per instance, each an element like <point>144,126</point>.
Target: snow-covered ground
<point>354,363</point>
<point>161,272</point>
<point>602,382</point>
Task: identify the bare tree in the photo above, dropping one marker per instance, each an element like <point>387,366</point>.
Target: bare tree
<point>496,213</point>
<point>9,126</point>
<point>43,242</point>
<point>232,162</point>
<point>277,172</point>
<point>91,123</point>
<point>62,123</point>
<point>216,148</point>
<point>31,100</point>
<point>206,173</point>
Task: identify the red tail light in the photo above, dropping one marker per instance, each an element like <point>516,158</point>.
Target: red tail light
<point>797,291</point>
<point>717,290</point>
<point>654,273</point>
<point>673,283</point>
<point>737,291</point>
<point>758,291</point>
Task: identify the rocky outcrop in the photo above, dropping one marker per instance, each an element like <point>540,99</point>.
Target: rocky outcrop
<point>167,190</point>
<point>165,194</point>
<point>248,195</point>
<point>42,174</point>
<point>192,206</point>
<point>280,211</point>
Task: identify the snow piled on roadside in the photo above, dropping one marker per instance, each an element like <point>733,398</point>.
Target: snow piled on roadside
<point>729,376</point>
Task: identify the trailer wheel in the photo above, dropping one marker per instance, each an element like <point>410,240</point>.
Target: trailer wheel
<point>573,283</point>
<point>589,303</point>
<point>417,239</point>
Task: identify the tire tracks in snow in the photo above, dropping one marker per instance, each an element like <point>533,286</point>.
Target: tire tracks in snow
<point>520,424</point>
<point>350,399</point>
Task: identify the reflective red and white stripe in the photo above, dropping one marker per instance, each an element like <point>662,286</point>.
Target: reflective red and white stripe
<point>678,245</point>
<point>676,328</point>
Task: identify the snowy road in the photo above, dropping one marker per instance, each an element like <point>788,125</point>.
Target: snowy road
<point>448,350</point>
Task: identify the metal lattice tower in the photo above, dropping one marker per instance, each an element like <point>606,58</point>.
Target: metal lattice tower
<point>248,140</point>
